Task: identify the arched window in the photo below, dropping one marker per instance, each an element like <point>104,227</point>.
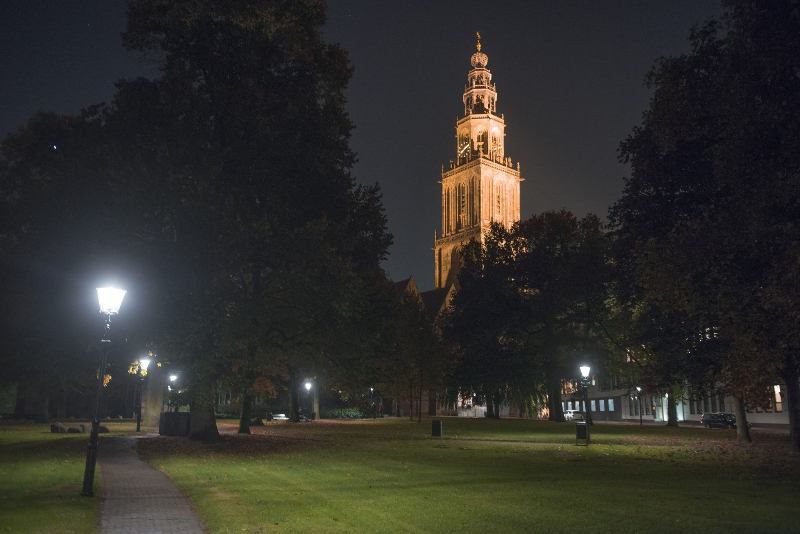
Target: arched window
<point>482,144</point>
<point>496,151</point>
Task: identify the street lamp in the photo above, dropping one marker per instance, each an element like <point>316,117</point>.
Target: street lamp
<point>309,403</point>
<point>110,300</point>
<point>143,364</point>
<point>639,392</point>
<point>585,370</point>
<point>172,379</point>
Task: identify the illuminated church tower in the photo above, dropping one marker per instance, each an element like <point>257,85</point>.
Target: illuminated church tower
<point>481,186</point>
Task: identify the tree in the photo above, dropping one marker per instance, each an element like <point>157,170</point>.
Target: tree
<point>225,182</point>
<point>562,274</point>
<point>528,309</point>
<point>482,320</point>
<point>715,164</point>
<point>252,151</point>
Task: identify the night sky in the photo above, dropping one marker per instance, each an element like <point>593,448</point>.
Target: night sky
<point>569,80</point>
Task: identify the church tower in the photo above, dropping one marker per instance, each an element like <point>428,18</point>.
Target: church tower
<point>481,186</point>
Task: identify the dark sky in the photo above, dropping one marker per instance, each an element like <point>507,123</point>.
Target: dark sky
<point>569,81</point>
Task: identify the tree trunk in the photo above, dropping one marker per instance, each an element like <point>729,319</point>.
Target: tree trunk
<point>431,404</point>
<point>202,422</point>
<point>742,430</point>
<point>294,391</point>
<point>672,410</point>
<point>19,406</point>
<point>315,401</point>
<point>43,406</point>
<point>61,409</point>
<point>152,396</point>
<point>244,417</point>
<point>419,404</point>
<point>553,381</point>
<point>497,407</point>
<point>411,400</point>
<point>489,406</point>
<point>791,376</point>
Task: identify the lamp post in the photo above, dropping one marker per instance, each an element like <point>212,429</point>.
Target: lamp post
<point>143,364</point>
<point>308,397</point>
<point>639,393</point>
<point>110,301</point>
<point>585,370</point>
<point>172,379</point>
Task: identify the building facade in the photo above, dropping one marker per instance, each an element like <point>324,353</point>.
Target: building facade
<point>481,185</point>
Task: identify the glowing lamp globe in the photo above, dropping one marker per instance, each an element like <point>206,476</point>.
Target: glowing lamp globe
<point>585,371</point>
<point>110,299</point>
<point>144,363</point>
<point>308,386</point>
<point>173,378</point>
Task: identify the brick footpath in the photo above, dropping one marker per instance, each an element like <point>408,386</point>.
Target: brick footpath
<point>137,498</point>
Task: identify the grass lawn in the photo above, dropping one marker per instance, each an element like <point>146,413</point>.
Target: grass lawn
<point>41,477</point>
<point>484,476</point>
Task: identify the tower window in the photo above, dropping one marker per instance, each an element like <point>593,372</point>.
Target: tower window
<point>482,144</point>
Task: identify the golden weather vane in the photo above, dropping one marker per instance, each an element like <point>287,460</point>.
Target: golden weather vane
<point>479,41</point>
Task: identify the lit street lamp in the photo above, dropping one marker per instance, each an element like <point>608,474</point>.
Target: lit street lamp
<point>639,392</point>
<point>110,301</point>
<point>143,364</point>
<point>585,370</point>
<point>172,379</point>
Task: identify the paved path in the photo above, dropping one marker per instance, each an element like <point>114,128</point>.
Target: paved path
<point>137,498</point>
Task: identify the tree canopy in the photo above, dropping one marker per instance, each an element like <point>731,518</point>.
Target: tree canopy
<point>707,221</point>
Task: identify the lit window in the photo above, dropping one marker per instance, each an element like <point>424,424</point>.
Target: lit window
<point>778,400</point>
<point>591,403</point>
<point>610,405</point>
<point>602,405</point>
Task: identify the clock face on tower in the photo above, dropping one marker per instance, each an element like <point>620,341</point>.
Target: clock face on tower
<point>463,148</point>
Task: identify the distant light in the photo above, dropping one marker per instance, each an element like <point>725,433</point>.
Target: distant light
<point>55,147</point>
<point>585,371</point>
<point>638,388</point>
<point>145,362</point>
<point>173,378</point>
<point>308,386</point>
<point>110,299</point>
<point>371,389</point>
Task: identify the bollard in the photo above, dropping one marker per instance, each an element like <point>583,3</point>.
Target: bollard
<point>436,429</point>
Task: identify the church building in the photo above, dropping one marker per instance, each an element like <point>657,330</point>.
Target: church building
<point>481,186</point>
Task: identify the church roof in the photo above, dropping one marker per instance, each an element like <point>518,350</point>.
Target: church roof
<point>436,300</point>
<point>409,285</point>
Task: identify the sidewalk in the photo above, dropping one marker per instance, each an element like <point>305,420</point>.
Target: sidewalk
<point>137,498</point>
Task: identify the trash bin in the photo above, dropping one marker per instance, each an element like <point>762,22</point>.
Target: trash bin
<point>436,429</point>
<point>581,433</point>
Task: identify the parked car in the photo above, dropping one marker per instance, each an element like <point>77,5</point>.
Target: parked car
<point>718,420</point>
<point>573,415</point>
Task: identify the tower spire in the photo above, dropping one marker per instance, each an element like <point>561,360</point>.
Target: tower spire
<point>479,41</point>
